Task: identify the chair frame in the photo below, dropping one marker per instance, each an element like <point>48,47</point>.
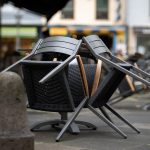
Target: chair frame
<point>97,54</point>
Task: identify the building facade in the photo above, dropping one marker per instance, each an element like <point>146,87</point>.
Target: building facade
<point>122,24</point>
<point>105,18</point>
<point>138,21</point>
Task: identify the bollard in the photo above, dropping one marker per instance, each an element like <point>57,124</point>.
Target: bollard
<point>14,131</point>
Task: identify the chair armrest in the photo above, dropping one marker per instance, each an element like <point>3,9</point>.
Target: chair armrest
<point>97,76</point>
<point>128,79</point>
<point>136,66</point>
<point>24,58</point>
<point>57,69</point>
<point>83,75</point>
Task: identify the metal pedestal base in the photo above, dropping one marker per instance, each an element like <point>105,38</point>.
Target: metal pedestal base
<point>58,124</point>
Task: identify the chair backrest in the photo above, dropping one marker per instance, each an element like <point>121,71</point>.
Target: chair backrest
<point>58,44</point>
<point>96,44</point>
<point>54,95</point>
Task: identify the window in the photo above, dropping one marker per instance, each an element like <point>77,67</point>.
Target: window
<point>102,9</point>
<point>67,11</point>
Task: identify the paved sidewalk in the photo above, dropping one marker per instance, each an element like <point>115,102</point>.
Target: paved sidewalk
<point>104,138</point>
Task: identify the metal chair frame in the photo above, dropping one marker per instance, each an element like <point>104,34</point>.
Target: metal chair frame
<point>98,49</point>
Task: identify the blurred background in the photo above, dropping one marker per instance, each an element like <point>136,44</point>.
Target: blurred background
<point>123,25</point>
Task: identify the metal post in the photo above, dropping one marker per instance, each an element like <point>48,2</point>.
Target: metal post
<point>0,23</point>
<point>18,19</point>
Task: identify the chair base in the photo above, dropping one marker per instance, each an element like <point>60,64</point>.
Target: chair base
<point>59,123</point>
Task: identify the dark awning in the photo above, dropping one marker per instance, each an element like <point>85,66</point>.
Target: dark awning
<point>44,7</point>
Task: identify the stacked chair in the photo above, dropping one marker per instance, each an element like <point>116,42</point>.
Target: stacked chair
<point>61,86</point>
<point>63,90</point>
<point>99,99</point>
<point>127,87</point>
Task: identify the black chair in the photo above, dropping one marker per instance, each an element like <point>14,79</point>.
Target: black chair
<point>110,82</point>
<point>54,93</point>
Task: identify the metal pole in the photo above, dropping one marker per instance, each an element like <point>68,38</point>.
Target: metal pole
<point>0,24</point>
<point>18,19</point>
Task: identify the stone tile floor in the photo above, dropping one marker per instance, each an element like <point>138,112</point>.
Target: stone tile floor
<point>104,138</point>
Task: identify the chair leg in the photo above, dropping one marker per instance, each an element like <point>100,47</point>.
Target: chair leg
<point>115,101</point>
<point>102,109</point>
<point>107,122</point>
<point>120,117</point>
<point>73,129</point>
<point>73,117</point>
